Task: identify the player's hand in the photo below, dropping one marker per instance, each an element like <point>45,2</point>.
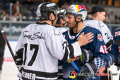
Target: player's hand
<point>84,39</point>
<point>101,70</point>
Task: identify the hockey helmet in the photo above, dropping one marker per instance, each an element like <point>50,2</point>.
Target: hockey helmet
<point>78,10</point>
<point>44,9</point>
<point>61,14</point>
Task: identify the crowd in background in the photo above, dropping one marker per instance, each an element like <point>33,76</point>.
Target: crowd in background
<point>25,10</point>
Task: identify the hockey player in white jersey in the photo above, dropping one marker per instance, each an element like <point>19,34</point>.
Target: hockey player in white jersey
<point>98,15</point>
<point>40,46</point>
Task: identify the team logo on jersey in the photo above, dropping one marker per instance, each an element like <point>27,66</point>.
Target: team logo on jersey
<point>64,36</point>
<point>73,59</point>
<point>56,32</point>
<point>100,37</point>
<point>119,49</point>
<point>72,74</point>
<point>72,37</point>
<point>117,33</point>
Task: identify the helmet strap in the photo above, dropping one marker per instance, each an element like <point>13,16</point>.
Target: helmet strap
<point>76,28</point>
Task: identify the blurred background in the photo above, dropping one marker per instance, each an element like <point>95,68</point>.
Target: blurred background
<point>17,14</point>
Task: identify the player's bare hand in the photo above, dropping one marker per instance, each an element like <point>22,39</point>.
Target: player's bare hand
<point>101,70</point>
<point>85,38</point>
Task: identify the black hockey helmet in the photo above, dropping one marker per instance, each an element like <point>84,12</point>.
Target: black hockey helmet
<point>61,14</point>
<point>44,9</point>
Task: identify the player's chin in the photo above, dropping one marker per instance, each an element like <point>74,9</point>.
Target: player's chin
<point>71,27</point>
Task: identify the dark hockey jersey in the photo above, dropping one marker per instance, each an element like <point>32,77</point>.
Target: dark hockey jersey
<point>115,49</point>
<point>97,46</point>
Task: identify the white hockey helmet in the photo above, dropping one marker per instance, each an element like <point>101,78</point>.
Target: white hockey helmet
<point>78,10</point>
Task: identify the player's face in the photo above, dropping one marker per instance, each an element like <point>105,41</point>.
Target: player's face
<point>102,16</point>
<point>55,19</point>
<point>70,20</point>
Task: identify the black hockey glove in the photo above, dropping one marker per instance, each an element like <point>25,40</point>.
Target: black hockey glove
<point>112,58</point>
<point>87,56</point>
<point>88,68</point>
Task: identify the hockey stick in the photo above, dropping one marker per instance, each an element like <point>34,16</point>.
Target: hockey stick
<point>6,40</point>
<point>74,65</point>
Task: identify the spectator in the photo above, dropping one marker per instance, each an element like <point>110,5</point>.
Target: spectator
<point>16,11</point>
<point>24,10</point>
<point>65,5</point>
<point>106,16</point>
<point>7,16</point>
<point>3,15</point>
<point>117,19</point>
<point>112,17</point>
<point>88,8</point>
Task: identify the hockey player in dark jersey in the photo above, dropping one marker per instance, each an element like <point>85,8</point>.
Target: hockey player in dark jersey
<point>115,49</point>
<point>75,15</point>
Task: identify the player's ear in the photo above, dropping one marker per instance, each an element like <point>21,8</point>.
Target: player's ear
<point>78,18</point>
<point>98,13</point>
<point>61,20</point>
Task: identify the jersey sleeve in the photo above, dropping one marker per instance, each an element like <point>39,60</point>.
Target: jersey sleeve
<point>19,52</point>
<point>115,49</point>
<point>107,36</point>
<point>59,47</point>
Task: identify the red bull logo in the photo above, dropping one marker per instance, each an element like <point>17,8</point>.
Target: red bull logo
<point>80,7</point>
<point>100,37</point>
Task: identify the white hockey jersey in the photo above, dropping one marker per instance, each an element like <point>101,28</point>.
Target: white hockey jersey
<point>62,29</point>
<point>38,50</point>
<point>107,36</point>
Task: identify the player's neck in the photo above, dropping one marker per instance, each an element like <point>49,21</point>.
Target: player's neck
<point>79,27</point>
<point>58,25</point>
<point>95,18</point>
<point>47,21</point>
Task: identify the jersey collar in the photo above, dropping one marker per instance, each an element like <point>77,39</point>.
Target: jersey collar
<point>73,36</point>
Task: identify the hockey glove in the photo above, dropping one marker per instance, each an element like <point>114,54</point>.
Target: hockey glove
<point>88,68</point>
<point>87,56</point>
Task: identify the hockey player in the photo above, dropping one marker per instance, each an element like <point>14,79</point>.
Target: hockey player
<point>61,23</point>
<point>41,45</point>
<point>98,15</point>
<point>75,15</point>
<point>115,49</point>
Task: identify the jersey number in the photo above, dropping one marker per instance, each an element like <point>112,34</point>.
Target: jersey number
<point>32,46</point>
<point>103,49</point>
